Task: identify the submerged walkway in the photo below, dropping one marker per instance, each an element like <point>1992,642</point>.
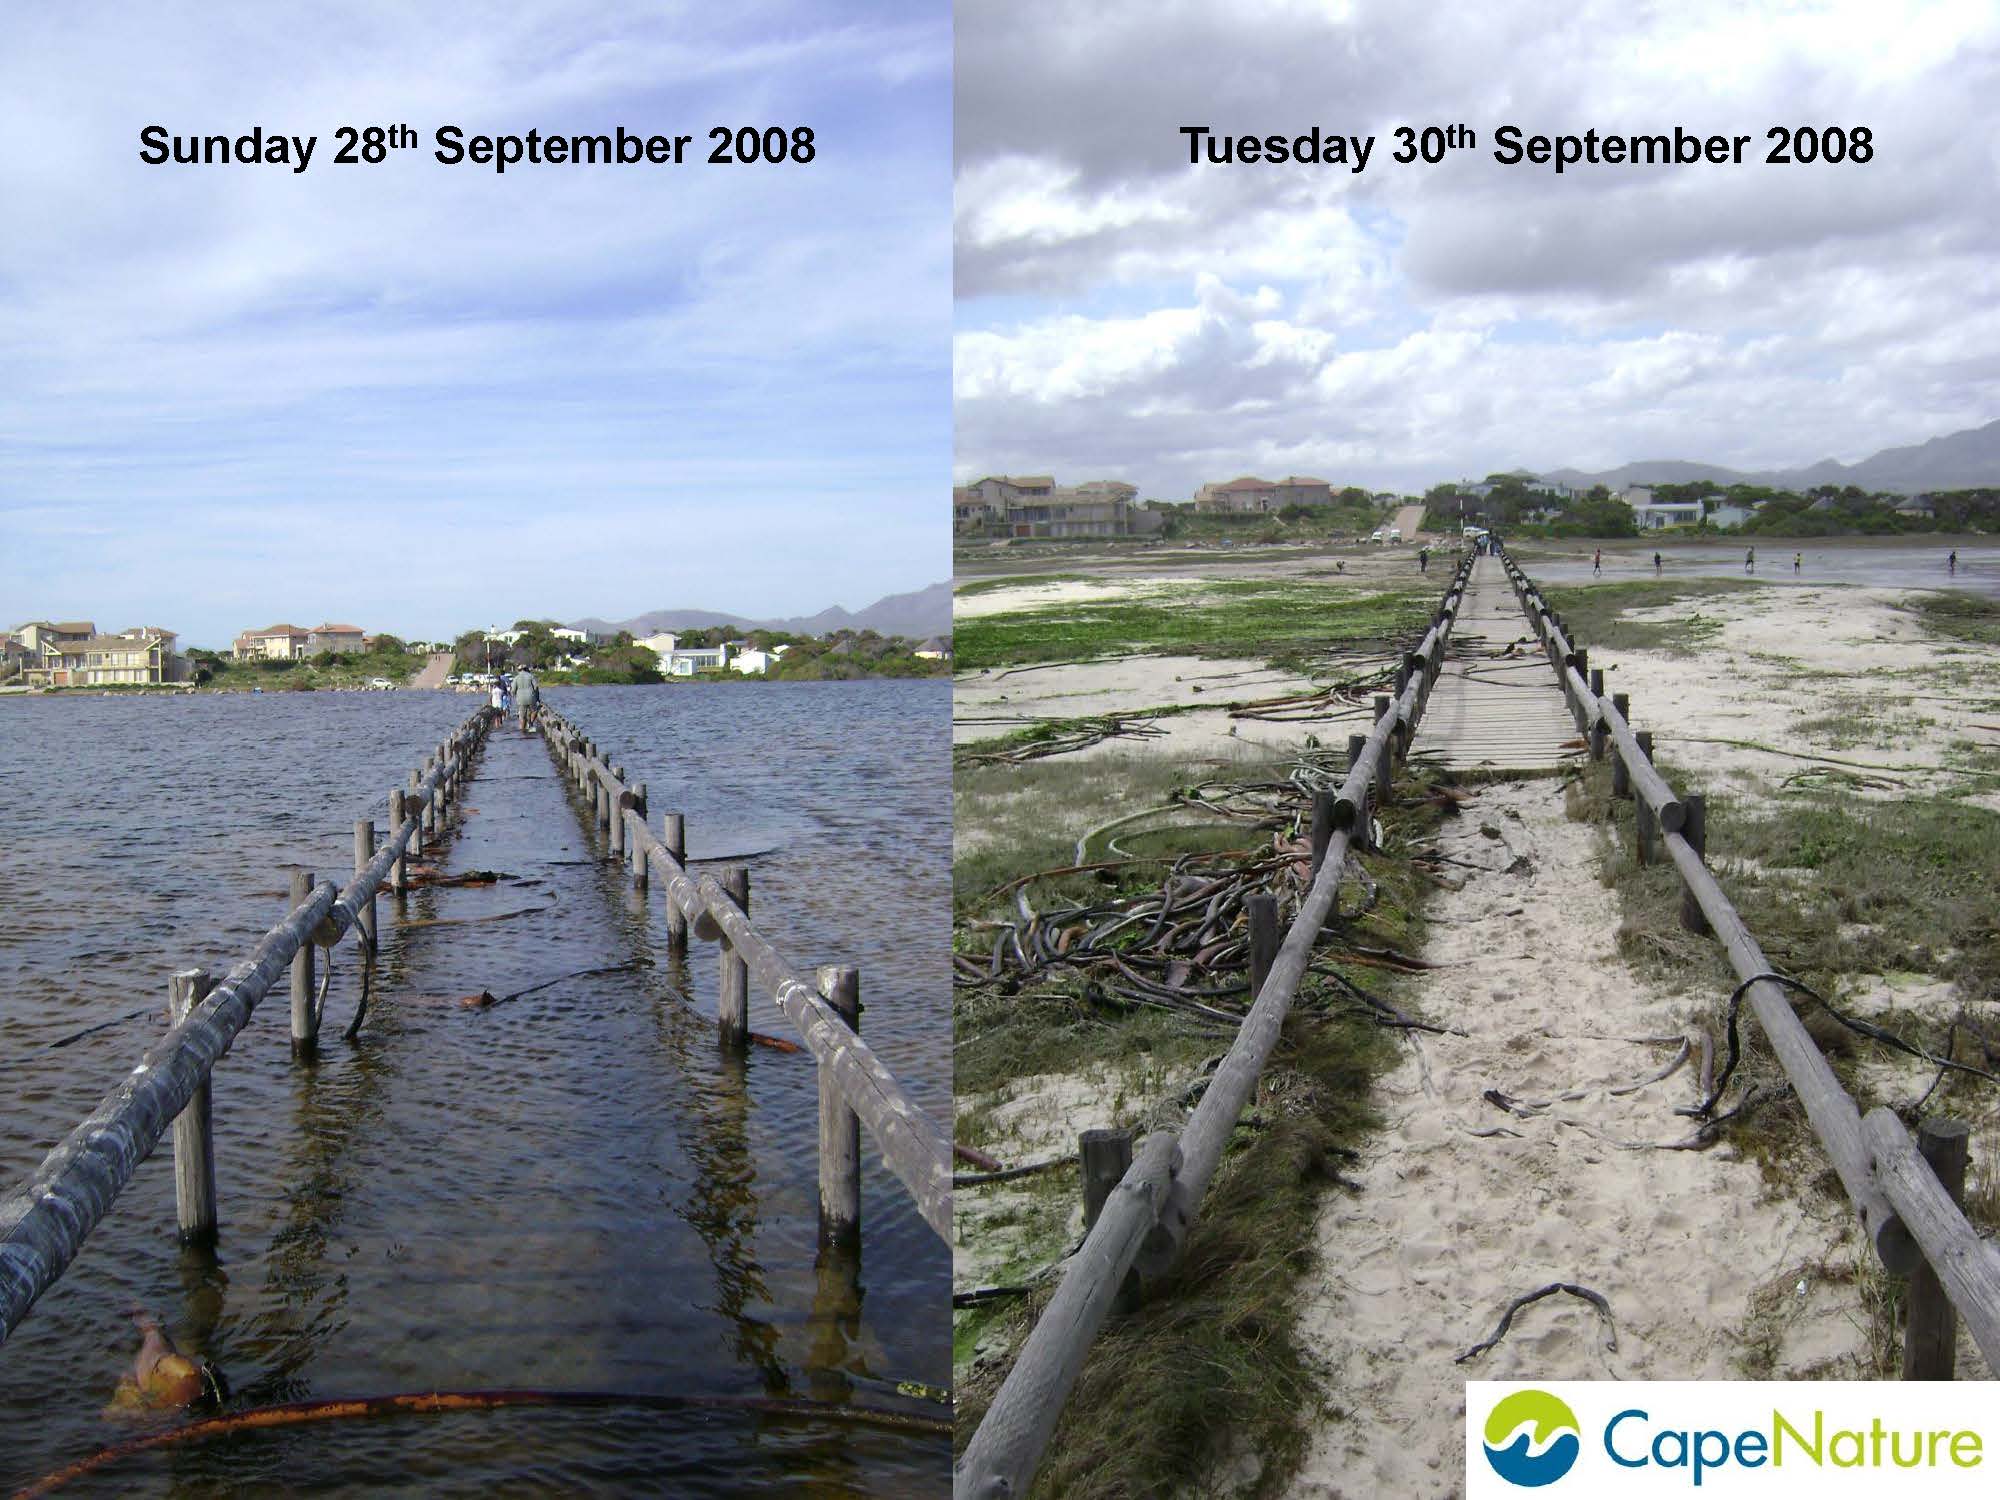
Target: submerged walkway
<point>533,1168</point>
<point>1489,710</point>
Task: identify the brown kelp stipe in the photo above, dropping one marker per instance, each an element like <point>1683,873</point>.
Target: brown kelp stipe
<point>426,1403</point>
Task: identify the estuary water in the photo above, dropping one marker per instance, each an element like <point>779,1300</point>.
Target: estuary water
<point>1898,563</point>
<point>570,1189</point>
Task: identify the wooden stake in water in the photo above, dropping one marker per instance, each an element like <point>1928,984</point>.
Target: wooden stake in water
<point>839,1126</point>
<point>673,833</point>
<point>194,1137</point>
<point>305,1025</point>
<point>364,855</point>
<point>732,1004</point>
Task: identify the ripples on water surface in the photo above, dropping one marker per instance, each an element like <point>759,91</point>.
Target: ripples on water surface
<point>570,1190</point>
<point>1902,564</point>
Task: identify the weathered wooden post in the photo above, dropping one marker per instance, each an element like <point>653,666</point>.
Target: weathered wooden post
<point>1598,733</point>
<point>673,833</point>
<point>1695,831</point>
<point>1262,910</point>
<point>399,875</point>
<point>1642,810</point>
<point>1930,1334</point>
<point>305,1025</point>
<point>839,1126</point>
<point>418,807</point>
<point>620,802</point>
<point>1322,824</point>
<point>1621,775</point>
<point>1106,1156</point>
<point>364,855</point>
<point>732,1001</point>
<point>194,1133</point>
<point>1357,745</point>
<point>1384,764</point>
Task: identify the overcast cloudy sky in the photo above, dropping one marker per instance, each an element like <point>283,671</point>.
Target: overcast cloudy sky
<point>419,397</point>
<point>1122,313</point>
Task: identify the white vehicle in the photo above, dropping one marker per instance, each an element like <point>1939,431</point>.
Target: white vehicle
<point>382,683</point>
<point>1394,534</point>
<point>1377,536</point>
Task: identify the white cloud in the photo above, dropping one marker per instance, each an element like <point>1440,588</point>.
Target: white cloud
<point>1430,321</point>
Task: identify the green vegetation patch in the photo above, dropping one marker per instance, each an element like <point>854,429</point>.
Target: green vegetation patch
<point>1596,613</point>
<point>1211,1365</point>
<point>1280,622</point>
<point>1961,617</point>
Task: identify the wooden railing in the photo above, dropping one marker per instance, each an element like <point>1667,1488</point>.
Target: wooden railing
<point>1145,1221</point>
<point>45,1221</point>
<point>856,1088</point>
<point>1910,1217</point>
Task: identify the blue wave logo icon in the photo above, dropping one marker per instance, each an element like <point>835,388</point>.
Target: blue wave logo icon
<point>1532,1439</point>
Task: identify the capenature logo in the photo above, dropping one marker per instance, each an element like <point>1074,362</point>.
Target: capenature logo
<point>1545,1438</point>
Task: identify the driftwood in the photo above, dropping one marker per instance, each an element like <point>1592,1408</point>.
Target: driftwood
<point>1570,1288</point>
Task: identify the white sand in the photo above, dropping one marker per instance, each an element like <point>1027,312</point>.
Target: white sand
<point>988,704</point>
<point>1027,596</point>
<point>1784,656</point>
<point>1450,1227</point>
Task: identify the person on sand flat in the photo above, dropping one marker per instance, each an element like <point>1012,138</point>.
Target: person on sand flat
<point>1656,562</point>
<point>1750,561</point>
<point>1597,562</point>
<point>1951,563</point>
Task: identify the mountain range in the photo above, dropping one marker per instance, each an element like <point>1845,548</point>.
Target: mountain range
<point>1956,461</point>
<point>917,614</point>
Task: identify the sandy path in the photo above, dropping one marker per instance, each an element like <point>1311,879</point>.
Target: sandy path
<point>1449,1227</point>
<point>435,671</point>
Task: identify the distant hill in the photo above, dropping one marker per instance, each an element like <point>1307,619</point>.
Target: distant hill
<point>920,613</point>
<point>1957,461</point>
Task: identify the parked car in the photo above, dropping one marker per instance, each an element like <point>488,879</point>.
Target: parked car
<point>380,682</point>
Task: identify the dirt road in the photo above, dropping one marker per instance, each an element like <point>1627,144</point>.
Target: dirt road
<point>435,671</point>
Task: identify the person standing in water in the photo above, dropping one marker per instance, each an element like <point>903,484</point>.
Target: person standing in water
<point>1951,563</point>
<point>1656,562</point>
<point>1597,562</point>
<point>1750,561</point>
<point>1797,559</point>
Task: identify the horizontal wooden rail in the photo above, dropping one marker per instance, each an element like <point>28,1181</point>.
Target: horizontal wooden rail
<point>1002,1456</point>
<point>914,1147</point>
<point>45,1221</point>
<point>1906,1213</point>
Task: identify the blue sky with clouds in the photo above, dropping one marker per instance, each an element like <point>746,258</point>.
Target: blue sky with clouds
<point>419,397</point>
<point>1123,313</point>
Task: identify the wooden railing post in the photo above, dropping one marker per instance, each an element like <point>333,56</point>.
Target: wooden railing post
<point>1322,823</point>
<point>1598,732</point>
<point>194,1133</point>
<point>617,801</point>
<point>399,817</point>
<point>1621,776</point>
<point>1644,831</point>
<point>419,812</point>
<point>839,1126</point>
<point>1695,831</point>
<point>732,1001</point>
<point>364,855</point>
<point>1930,1333</point>
<point>638,846</point>
<point>1384,765</point>
<point>1105,1155</point>
<point>305,1024</point>
<point>1262,910</point>
<point>673,833</point>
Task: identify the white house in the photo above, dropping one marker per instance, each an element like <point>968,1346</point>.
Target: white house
<point>1728,515</point>
<point>1654,516</point>
<point>565,633</point>
<point>695,659</point>
<point>662,643</point>
<point>752,659</point>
